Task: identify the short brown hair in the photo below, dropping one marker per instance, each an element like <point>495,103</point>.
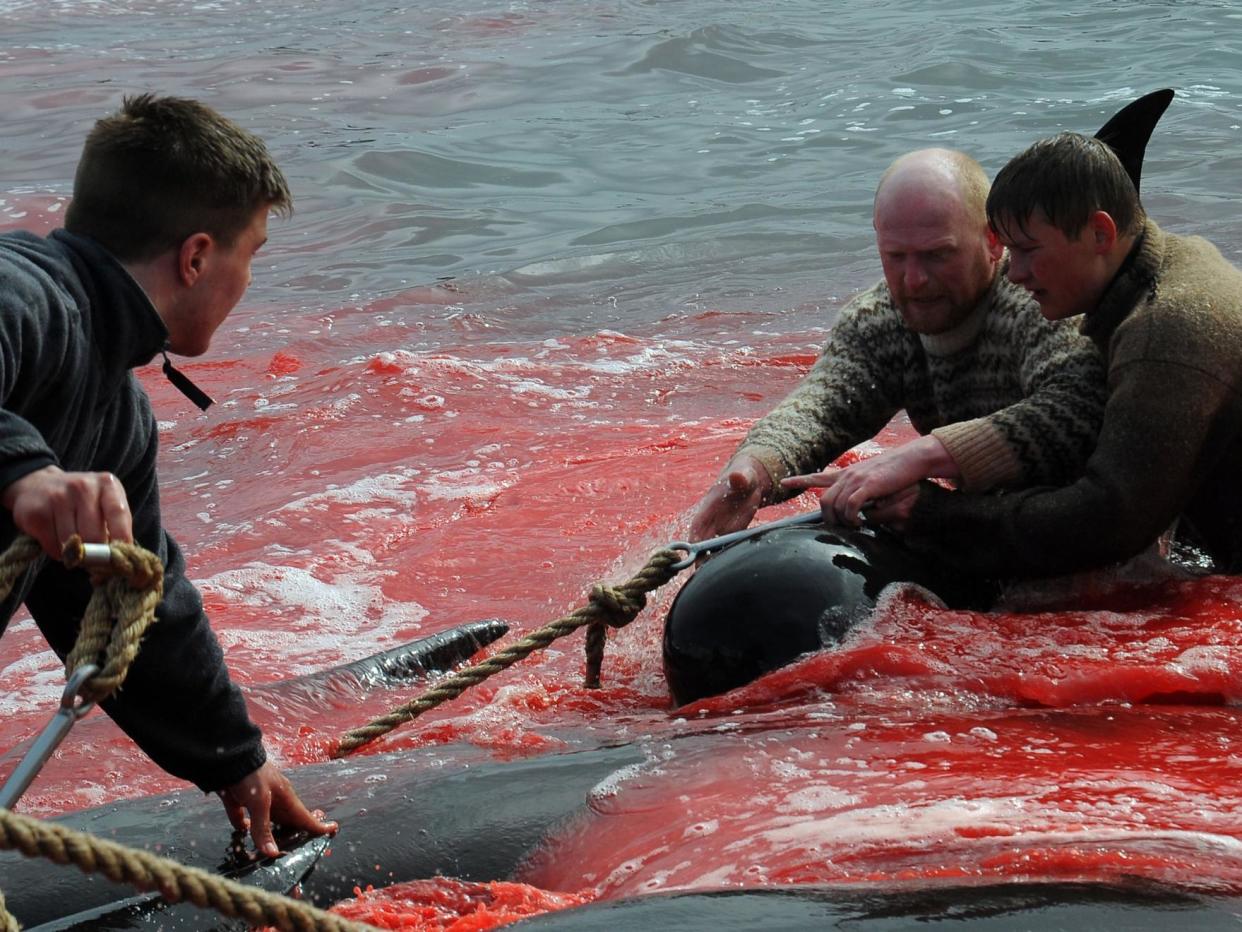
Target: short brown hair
<point>164,168</point>
<point>1068,177</point>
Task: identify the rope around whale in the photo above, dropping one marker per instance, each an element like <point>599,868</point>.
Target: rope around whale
<point>175,882</point>
<point>606,606</point>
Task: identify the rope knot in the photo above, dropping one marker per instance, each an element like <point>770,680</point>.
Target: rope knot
<point>138,567</point>
<point>618,605</point>
<point>129,583</point>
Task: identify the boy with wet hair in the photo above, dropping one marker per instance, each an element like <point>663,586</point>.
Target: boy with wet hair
<point>1166,310</point>
<point>170,204</point>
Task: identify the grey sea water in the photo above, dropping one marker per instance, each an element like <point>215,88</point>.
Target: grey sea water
<point>620,163</point>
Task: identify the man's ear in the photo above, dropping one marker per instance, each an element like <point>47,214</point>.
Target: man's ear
<point>192,257</point>
<point>996,248</point>
<point>1103,230</point>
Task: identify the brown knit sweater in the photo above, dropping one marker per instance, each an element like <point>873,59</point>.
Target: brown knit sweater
<point>1171,327</point>
<point>1015,399</point>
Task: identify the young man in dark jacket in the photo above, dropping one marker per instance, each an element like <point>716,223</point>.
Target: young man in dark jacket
<point>170,204</point>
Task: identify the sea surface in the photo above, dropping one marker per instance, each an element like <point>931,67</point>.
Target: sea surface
<point>548,261</point>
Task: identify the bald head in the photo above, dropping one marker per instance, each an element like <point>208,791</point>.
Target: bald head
<point>946,174</point>
<point>939,255</point>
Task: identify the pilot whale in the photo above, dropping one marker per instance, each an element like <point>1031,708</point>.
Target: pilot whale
<point>763,602</point>
<point>455,812</point>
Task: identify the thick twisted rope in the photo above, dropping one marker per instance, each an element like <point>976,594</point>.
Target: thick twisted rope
<point>615,606</point>
<point>14,562</point>
<point>128,589</point>
<point>175,882</point>
<point>7,922</point>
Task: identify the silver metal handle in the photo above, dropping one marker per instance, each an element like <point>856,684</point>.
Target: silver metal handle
<point>695,550</point>
<point>50,738</point>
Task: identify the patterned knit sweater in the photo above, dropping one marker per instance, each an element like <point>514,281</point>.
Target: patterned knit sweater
<point>1014,398</point>
<point>1171,445</point>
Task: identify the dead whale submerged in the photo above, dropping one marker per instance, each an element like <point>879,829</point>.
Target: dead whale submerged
<point>763,602</point>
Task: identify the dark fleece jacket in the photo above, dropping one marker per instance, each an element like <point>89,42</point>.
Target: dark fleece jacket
<point>1170,325</point>
<point>73,323</point>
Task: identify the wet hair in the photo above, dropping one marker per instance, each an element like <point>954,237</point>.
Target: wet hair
<point>164,168</point>
<point>1067,177</point>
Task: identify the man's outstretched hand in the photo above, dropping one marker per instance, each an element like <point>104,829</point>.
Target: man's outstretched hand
<point>266,796</point>
<point>884,486</point>
<point>732,501</point>
<point>893,510</point>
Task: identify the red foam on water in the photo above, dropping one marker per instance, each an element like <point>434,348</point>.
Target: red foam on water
<point>442,904</point>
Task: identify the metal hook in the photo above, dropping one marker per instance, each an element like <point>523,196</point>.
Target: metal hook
<point>50,738</point>
<point>697,549</point>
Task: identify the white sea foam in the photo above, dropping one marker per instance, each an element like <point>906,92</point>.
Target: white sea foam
<point>33,681</point>
<point>319,615</point>
<point>392,488</point>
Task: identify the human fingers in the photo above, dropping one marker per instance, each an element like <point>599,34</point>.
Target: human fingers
<point>720,519</point>
<point>711,511</point>
<point>847,498</point>
<point>236,813</point>
<point>815,480</point>
<point>41,525</point>
<point>852,502</point>
<point>259,805</point>
<point>54,506</point>
<point>34,509</point>
<point>894,510</point>
<point>288,810</point>
<point>114,506</point>
<point>253,795</point>
<point>261,831</point>
<point>86,492</point>
<point>741,481</point>
<point>727,506</point>
<point>63,514</point>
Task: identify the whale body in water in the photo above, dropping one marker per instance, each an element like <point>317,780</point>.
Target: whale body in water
<point>763,602</point>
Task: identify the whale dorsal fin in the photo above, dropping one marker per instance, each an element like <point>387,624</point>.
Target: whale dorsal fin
<point>1130,128</point>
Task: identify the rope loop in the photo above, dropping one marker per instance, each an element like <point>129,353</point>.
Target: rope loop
<point>139,568</point>
<point>618,606</point>
<point>129,583</point>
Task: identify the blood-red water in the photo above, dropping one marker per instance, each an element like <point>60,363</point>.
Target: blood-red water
<point>937,745</point>
<point>386,461</point>
<point>452,905</point>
